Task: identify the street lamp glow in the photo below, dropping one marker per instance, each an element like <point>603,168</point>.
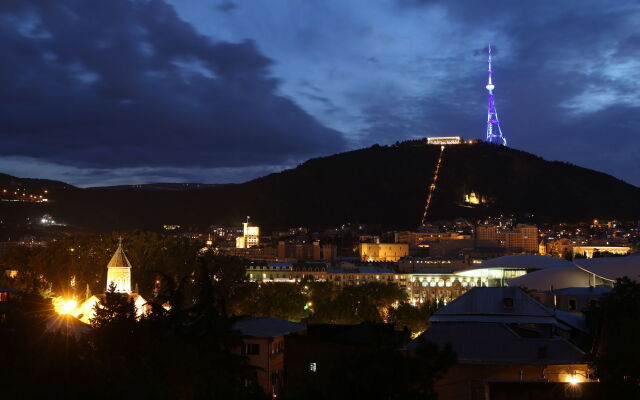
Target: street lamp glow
<point>573,380</point>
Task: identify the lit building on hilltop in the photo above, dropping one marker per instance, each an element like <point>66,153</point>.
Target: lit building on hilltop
<point>119,271</point>
<point>250,236</point>
<point>442,140</point>
<point>494,133</point>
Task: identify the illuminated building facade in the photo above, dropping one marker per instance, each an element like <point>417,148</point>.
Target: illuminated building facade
<point>250,236</point>
<point>119,271</point>
<point>589,251</point>
<point>424,238</point>
<point>443,140</point>
<point>383,251</point>
<point>494,133</point>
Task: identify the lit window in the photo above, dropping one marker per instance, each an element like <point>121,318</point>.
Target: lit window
<point>313,367</point>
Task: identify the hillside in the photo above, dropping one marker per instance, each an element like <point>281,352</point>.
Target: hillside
<point>380,184</point>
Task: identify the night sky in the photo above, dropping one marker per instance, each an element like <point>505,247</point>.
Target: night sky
<point>108,92</point>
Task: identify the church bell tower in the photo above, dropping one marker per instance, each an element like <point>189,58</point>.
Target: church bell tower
<point>119,271</point>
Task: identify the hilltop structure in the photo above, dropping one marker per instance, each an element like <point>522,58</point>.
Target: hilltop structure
<point>494,133</point>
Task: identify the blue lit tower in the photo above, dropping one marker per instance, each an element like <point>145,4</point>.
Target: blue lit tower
<point>494,133</point>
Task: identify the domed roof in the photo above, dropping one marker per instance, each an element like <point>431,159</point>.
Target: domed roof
<point>561,277</point>
<point>525,261</point>
<point>612,268</point>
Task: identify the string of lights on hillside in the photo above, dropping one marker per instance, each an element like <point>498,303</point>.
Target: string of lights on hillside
<point>432,188</point>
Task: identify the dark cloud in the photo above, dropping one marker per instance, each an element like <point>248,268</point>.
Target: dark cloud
<point>226,6</point>
<point>566,88</point>
<point>128,84</point>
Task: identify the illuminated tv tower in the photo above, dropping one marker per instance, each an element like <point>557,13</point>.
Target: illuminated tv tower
<point>494,133</point>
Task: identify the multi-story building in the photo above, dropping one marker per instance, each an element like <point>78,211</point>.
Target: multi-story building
<point>264,347</point>
<point>424,238</point>
<point>503,334</point>
<point>250,236</point>
<point>383,251</point>
<point>306,251</point>
<point>419,264</point>
<point>487,232</point>
<point>523,238</point>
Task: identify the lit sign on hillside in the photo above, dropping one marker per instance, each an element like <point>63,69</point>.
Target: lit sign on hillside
<point>442,140</point>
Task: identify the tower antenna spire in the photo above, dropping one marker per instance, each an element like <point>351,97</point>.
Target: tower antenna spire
<point>494,133</point>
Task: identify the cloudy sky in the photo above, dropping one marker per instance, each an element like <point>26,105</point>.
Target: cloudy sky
<point>118,91</point>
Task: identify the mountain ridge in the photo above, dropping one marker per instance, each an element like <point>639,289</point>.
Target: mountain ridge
<point>386,185</point>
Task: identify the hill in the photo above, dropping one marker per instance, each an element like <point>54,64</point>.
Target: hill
<point>381,184</point>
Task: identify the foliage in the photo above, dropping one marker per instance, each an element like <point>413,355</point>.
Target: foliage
<point>281,300</point>
<point>416,318</point>
<point>380,373</point>
<point>353,304</point>
<point>85,258</point>
<point>114,321</point>
<point>615,329</point>
<point>598,253</point>
<point>186,353</point>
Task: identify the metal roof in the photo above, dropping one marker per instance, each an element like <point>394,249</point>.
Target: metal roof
<point>267,327</point>
<point>562,277</point>
<point>489,302</point>
<point>524,261</point>
<point>494,343</point>
<point>612,268</point>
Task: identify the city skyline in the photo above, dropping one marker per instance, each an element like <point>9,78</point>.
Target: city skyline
<point>138,92</point>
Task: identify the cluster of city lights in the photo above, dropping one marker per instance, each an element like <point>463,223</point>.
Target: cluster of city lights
<point>22,195</point>
<point>432,188</point>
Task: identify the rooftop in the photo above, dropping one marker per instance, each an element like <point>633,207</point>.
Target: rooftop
<point>119,259</point>
<point>524,261</point>
<point>494,343</point>
<point>267,327</point>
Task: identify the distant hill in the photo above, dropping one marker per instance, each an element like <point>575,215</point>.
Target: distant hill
<point>32,184</point>
<point>381,184</point>
<point>161,186</point>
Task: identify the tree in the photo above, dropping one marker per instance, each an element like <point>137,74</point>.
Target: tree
<point>114,321</point>
<point>615,328</point>
<point>380,372</point>
<point>280,300</point>
<point>416,318</point>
